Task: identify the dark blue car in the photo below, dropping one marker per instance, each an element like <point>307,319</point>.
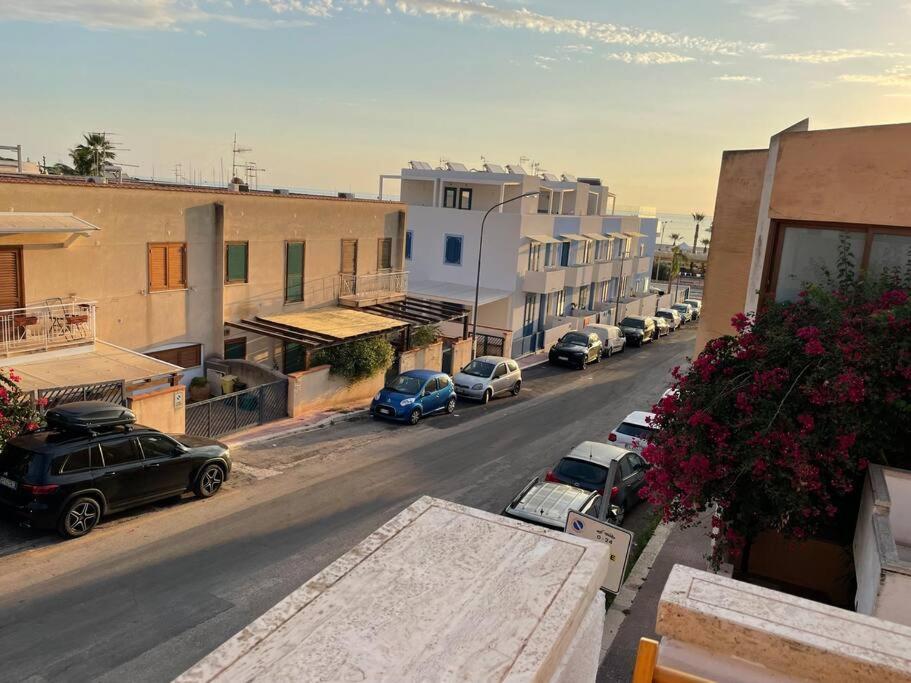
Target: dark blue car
<point>414,394</point>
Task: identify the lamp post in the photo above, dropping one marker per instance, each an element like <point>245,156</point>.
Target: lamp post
<point>477,284</point>
<point>620,283</point>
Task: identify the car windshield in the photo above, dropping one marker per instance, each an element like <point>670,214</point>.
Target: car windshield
<point>575,339</point>
<point>664,314</point>
<point>635,431</point>
<point>15,460</point>
<point>405,384</point>
<point>581,471</point>
<point>632,322</point>
<point>478,368</point>
<point>680,307</point>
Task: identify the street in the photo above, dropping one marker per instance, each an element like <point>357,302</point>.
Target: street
<point>149,593</point>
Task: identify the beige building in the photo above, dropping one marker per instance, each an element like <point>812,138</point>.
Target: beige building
<point>780,212</point>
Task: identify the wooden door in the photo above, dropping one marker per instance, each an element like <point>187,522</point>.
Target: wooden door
<point>349,257</point>
<point>11,286</point>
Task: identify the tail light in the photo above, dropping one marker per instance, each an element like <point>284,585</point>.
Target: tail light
<point>41,490</point>
<point>613,492</point>
<point>550,476</point>
<point>611,437</point>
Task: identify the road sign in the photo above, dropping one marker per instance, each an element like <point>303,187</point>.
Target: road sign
<point>619,539</point>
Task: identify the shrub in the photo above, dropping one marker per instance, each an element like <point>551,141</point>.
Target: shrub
<point>357,360</point>
<point>18,414</point>
<point>776,425</point>
<point>424,335</point>
<point>199,382</point>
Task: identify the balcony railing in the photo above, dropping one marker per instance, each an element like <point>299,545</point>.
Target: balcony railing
<point>368,289</point>
<point>48,326</point>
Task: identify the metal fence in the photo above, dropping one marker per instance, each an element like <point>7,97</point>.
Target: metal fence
<point>113,392</point>
<point>233,412</point>
<point>526,345</point>
<point>488,345</point>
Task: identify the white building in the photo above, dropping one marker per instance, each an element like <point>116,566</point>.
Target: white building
<point>551,261</point>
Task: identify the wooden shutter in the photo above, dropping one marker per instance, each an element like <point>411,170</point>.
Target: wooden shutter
<point>158,267</point>
<point>10,278</point>
<point>349,257</point>
<point>294,271</point>
<point>384,253</point>
<point>177,270</point>
<point>185,356</point>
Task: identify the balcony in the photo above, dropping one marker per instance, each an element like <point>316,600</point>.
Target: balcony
<point>49,326</point>
<point>604,270</point>
<point>643,264</point>
<point>357,291</point>
<point>579,275</point>
<point>544,281</point>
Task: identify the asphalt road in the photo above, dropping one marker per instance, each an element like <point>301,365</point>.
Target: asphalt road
<point>146,595</point>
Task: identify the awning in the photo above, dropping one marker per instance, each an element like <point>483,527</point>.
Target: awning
<point>543,239</point>
<point>419,311</point>
<point>453,293</point>
<point>320,328</point>
<point>632,233</point>
<point>574,237</point>
<point>17,222</point>
<point>596,236</point>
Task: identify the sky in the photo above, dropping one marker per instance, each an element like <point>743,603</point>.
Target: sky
<point>644,94</point>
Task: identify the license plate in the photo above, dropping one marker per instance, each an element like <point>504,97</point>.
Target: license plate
<point>562,357</point>
<point>9,483</point>
<point>384,411</point>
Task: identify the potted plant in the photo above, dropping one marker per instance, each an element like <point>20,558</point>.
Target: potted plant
<point>199,389</point>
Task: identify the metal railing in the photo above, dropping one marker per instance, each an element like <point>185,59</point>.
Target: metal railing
<point>51,325</point>
<point>393,282</point>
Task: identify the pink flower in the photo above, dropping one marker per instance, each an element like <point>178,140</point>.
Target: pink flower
<point>814,347</point>
<point>740,322</point>
<point>806,422</point>
<point>808,333</point>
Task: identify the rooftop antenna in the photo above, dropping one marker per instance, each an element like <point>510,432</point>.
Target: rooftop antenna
<point>235,150</point>
<point>251,174</point>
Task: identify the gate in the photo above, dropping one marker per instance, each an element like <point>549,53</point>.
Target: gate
<point>233,412</point>
<point>113,392</point>
<point>447,357</point>
<point>488,345</point>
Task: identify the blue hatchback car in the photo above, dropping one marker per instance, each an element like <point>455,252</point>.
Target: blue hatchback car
<point>414,394</point>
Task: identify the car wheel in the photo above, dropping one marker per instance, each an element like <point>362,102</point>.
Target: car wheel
<point>488,394</point>
<point>209,481</point>
<point>610,351</point>
<point>414,417</point>
<point>516,388</point>
<point>450,405</point>
<point>598,357</point>
<point>621,514</point>
<point>583,363</point>
<point>79,517</point>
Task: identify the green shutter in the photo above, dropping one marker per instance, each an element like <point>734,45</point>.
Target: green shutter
<point>294,271</point>
<point>237,263</point>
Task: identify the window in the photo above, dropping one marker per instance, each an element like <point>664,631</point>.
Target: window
<point>513,366</point>
<point>384,253</point>
<point>235,262</point>
<point>78,461</point>
<point>349,257</point>
<point>154,447</point>
<point>529,314</point>
<point>294,357</point>
<point>189,356</point>
<point>453,250</point>
<point>580,300</point>
<point>626,468</point>
<point>449,198</point>
<point>236,348</point>
<point>500,371</point>
<point>465,198</point>
<point>431,386</point>
<point>559,299</point>
<point>636,461</point>
<point>534,256</point>
<point>167,266</point>
<point>119,452</point>
<point>442,382</point>
<point>806,253</point>
<point>294,272</point>
<point>564,255</point>
<point>409,239</point>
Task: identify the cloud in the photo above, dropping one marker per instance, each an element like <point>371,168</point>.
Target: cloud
<point>649,58</point>
<point>774,11</point>
<point>578,47</point>
<point>738,79</point>
<point>896,76</point>
<point>833,56</point>
<point>543,62</point>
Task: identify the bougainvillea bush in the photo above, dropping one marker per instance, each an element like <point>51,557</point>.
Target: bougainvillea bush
<point>777,423</point>
<point>17,412</point>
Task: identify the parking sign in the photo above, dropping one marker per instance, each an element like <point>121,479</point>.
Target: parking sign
<point>619,539</point>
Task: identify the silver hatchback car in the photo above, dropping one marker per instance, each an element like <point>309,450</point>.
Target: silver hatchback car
<point>486,376</point>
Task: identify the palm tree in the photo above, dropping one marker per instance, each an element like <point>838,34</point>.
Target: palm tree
<point>90,156</point>
<point>698,217</point>
<point>675,236</point>
<point>705,244</point>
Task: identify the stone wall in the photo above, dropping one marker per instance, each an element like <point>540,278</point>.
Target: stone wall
<point>429,357</point>
<point>318,389</point>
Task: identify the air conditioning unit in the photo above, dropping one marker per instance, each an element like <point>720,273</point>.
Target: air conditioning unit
<point>243,188</point>
<point>282,192</point>
<point>97,180</point>
<point>346,195</point>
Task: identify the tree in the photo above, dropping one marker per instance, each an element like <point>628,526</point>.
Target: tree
<point>90,156</point>
<point>705,244</point>
<point>359,359</point>
<point>698,217</point>
<point>18,414</point>
<point>60,169</point>
<point>676,263</point>
<point>675,236</point>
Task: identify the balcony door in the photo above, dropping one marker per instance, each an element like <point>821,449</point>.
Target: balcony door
<point>349,257</point>
<point>11,285</point>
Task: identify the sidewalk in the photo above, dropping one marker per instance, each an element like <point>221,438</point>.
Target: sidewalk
<point>532,359</point>
<point>683,546</point>
<point>295,425</point>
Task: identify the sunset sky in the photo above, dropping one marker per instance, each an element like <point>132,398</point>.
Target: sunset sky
<point>330,93</point>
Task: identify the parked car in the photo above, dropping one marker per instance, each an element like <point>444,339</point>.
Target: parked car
<point>696,305</point>
<point>547,504</point>
<point>93,460</point>
<point>577,349</point>
<point>662,328</point>
<point>685,311</point>
<point>612,338</point>
<point>586,467</point>
<point>638,330</point>
<point>671,316</point>
<point>414,394</point>
<point>486,376</point>
<point>634,432</point>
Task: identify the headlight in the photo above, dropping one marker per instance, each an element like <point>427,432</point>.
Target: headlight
<point>407,402</point>
<point>477,387</point>
<point>378,395</point>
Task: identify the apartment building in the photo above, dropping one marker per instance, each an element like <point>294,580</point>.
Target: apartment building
<point>781,211</point>
<point>551,260</point>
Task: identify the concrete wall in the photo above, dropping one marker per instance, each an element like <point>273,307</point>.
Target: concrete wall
<point>429,357</point>
<point>733,234</point>
<point>163,409</point>
<point>461,354</point>
<point>319,389</point>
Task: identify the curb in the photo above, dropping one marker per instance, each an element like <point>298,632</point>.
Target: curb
<point>325,422</point>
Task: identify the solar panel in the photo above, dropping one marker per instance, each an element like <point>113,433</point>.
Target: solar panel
<point>420,166</point>
<point>494,168</point>
<point>455,166</point>
<point>551,177</point>
<point>569,178</point>
<point>516,169</point>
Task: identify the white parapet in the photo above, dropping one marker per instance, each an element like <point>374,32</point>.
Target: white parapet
<point>441,592</point>
<point>729,631</point>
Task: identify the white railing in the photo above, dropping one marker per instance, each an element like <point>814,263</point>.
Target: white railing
<point>53,324</point>
<point>393,282</point>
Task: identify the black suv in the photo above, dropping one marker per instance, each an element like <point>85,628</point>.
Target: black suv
<point>92,460</point>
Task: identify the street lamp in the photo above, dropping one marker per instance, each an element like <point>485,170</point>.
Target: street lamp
<point>477,284</point>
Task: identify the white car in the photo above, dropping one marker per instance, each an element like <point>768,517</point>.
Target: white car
<point>486,376</point>
<point>634,432</point>
<point>697,307</point>
<point>612,338</point>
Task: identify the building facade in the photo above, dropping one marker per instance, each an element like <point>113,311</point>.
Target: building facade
<point>550,260</point>
<point>781,213</point>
